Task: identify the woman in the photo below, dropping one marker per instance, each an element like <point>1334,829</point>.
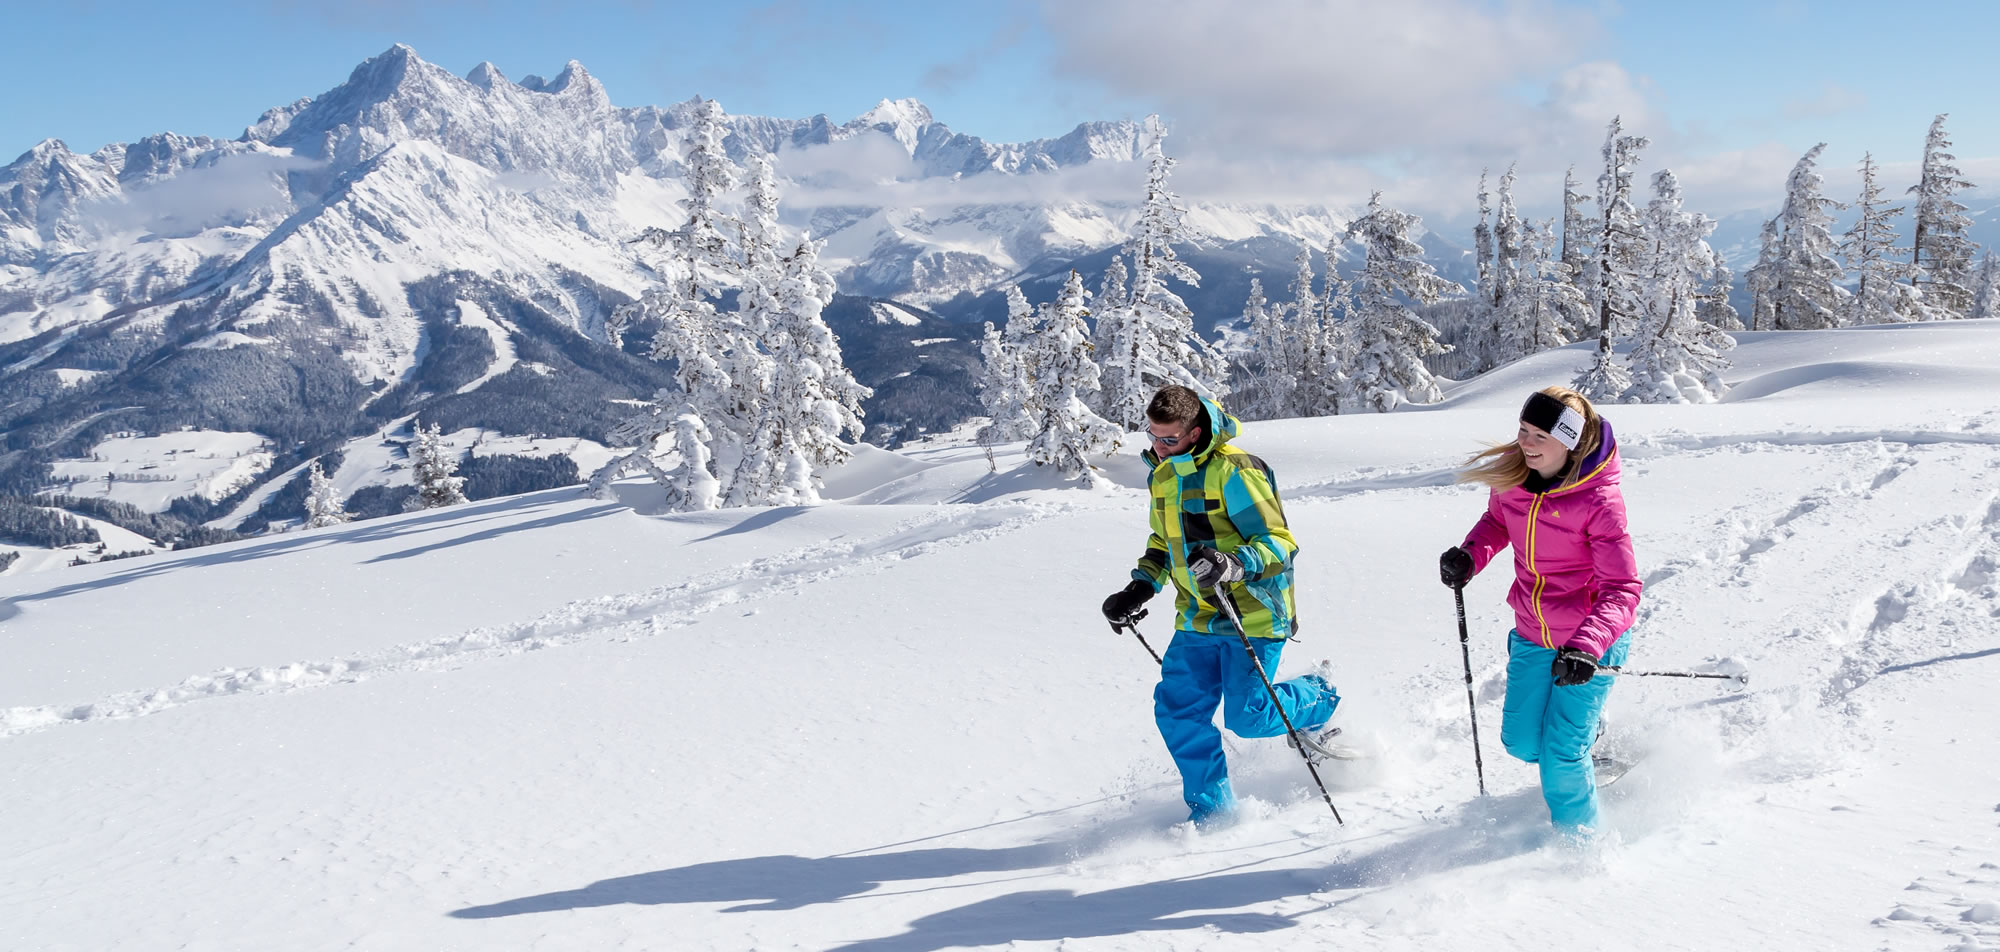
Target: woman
<point>1555,499</point>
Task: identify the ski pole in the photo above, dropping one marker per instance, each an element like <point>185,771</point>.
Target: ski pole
<point>1465,652</point>
<point>1229,608</point>
<point>1131,624</point>
<point>1740,677</point>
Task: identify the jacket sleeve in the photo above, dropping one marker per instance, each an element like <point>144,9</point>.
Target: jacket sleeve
<point>1152,567</point>
<point>1488,535</point>
<point>1252,503</point>
<point>1617,577</point>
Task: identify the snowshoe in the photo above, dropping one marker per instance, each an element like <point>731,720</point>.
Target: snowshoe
<point>1324,745</point>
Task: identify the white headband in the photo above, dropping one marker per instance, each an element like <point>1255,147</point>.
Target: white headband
<point>1568,429</point>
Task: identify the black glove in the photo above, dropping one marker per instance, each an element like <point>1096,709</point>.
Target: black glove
<point>1455,567</point>
<point>1573,666</point>
<point>1212,567</point>
<point>1124,603</point>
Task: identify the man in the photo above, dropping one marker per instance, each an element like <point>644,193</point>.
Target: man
<point>1218,532</point>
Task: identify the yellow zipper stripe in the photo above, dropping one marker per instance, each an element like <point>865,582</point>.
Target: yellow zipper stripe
<point>1587,478</point>
<point>1535,599</point>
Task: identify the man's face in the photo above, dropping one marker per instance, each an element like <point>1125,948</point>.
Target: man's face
<point>1172,439</point>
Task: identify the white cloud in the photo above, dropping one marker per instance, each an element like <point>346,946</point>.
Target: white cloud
<point>1346,77</point>
<point>857,161</point>
<point>819,180</point>
<point>233,188</point>
<point>1322,101</point>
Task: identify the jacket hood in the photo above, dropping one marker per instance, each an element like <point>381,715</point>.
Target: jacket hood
<point>1601,466</point>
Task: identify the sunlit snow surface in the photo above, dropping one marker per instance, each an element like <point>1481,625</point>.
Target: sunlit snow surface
<point>896,722</point>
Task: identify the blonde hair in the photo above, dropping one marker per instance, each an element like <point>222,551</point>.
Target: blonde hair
<point>1500,466</point>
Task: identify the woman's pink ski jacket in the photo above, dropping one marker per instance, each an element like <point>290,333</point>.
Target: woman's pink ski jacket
<point>1576,583</point>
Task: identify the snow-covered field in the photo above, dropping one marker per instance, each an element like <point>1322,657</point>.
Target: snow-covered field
<point>897,722</point>
<point>152,471</point>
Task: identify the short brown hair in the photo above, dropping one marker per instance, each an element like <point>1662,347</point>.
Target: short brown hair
<point>1175,404</point>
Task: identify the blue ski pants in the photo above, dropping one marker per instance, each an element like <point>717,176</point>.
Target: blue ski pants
<point>1200,672</point>
<point>1554,727</point>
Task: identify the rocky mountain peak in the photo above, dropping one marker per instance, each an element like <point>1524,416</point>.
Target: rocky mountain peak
<point>485,75</point>
<point>906,120</point>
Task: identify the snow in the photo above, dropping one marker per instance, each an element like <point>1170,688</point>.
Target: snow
<point>505,357</point>
<point>71,377</point>
<point>224,340</point>
<point>113,540</point>
<point>889,312</point>
<point>896,722</point>
<point>150,472</point>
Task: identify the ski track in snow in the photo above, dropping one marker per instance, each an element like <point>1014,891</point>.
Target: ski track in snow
<point>649,612</point>
<point>1888,603</point>
<point>1744,541</point>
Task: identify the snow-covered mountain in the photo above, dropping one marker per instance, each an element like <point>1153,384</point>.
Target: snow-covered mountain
<point>310,281</point>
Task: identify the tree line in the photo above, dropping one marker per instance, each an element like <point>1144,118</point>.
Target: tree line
<point>1642,281</point>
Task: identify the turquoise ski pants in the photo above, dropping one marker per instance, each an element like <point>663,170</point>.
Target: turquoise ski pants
<point>1553,727</point>
<point>1203,671</point>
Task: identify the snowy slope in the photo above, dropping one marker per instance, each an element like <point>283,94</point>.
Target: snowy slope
<point>896,722</point>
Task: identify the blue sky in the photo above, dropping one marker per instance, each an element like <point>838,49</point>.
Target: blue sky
<point>1331,96</point>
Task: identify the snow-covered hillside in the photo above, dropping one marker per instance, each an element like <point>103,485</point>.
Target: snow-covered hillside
<point>896,722</point>
<point>417,242</point>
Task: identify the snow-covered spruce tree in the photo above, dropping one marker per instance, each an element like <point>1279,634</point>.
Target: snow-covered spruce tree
<point>1322,343</point>
<point>812,400</point>
<point>432,464</point>
<point>323,505</point>
<point>1182,356</point>
<point>1121,383</point>
<point>1306,309</point>
<point>1263,383</point>
<point>1474,322</point>
<point>1506,241</point>
<point>1287,345</point>
<point>700,243</point>
<point>1006,385</point>
<point>1482,242</point>
<point>1868,250</point>
<point>1068,434</point>
<point>1714,307</point>
<point>1986,289</point>
<point>720,370</point>
<point>1579,237</point>
<point>691,485</point>
<point>1675,357</point>
<point>1762,279</point>
<point>1386,366</point>
<point>1620,244</point>
<point>1941,251</point>
<point>1154,335</point>
<point>1807,294</point>
<point>1545,305</point>
<point>762,386</point>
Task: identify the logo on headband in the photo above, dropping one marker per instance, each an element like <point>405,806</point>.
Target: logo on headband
<point>1569,430</point>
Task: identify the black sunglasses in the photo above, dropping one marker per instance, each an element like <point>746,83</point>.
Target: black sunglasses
<point>1168,441</point>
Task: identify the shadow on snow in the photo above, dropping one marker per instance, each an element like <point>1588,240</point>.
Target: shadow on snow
<point>1486,832</point>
